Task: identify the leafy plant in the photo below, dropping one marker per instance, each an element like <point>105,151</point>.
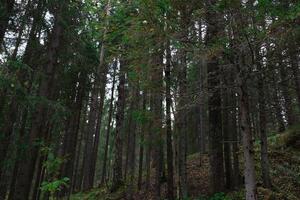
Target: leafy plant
<point>219,196</point>
<point>54,186</point>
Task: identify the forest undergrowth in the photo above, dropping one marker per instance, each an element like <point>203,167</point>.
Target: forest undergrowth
<point>284,155</point>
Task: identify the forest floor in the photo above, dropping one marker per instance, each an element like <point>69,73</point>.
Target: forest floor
<point>284,153</point>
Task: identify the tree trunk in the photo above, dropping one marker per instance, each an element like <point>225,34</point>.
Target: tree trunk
<point>132,148</point>
<point>37,132</point>
<point>214,105</point>
<point>263,132</point>
<point>286,94</point>
<point>103,178</point>
<point>86,182</point>
<point>70,140</point>
<point>170,170</point>
<point>236,141</point>
<point>156,128</point>
<point>149,144</point>
<point>98,128</point>
<point>277,104</point>
<point>91,148</point>
<point>182,111</point>
<point>117,168</point>
<point>142,142</point>
<point>226,110</point>
<point>250,179</point>
<point>77,176</point>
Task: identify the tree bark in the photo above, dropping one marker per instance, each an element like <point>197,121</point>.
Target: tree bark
<point>226,110</point>
<point>170,170</point>
<point>263,132</point>
<point>37,131</point>
<point>142,143</point>
<point>103,178</point>
<point>250,179</point>
<point>286,94</point>
<point>70,140</point>
<point>91,148</point>
<point>91,128</point>
<point>132,160</point>
<point>117,180</point>
<point>156,127</point>
<point>214,105</point>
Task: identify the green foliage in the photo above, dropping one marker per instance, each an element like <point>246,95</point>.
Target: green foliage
<point>278,9</point>
<point>52,166</point>
<point>219,196</point>
<point>288,139</point>
<point>53,163</point>
<point>54,186</point>
<point>140,116</point>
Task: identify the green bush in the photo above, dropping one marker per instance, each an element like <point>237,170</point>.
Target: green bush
<point>54,186</point>
<point>219,196</point>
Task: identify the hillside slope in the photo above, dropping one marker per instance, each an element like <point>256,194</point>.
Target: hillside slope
<point>284,152</point>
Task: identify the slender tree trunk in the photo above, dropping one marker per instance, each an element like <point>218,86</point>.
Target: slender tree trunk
<point>132,160</point>
<point>149,142</point>
<point>277,105</point>
<point>286,94</point>
<point>226,109</point>
<point>247,137</point>
<point>39,177</point>
<point>128,143</point>
<point>263,133</point>
<point>103,178</point>
<point>77,176</point>
<point>142,141</point>
<point>236,141</point>
<point>250,179</point>
<point>70,140</point>
<point>156,128</point>
<point>98,128</point>
<point>170,170</point>
<point>91,148</point>
<point>203,123</point>
<point>117,180</point>
<point>86,182</point>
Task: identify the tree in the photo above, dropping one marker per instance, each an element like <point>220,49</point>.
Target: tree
<point>37,132</point>
<point>117,168</point>
<point>214,105</point>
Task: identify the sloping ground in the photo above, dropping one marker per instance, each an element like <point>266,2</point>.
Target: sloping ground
<point>197,184</point>
<point>285,173</point>
<point>198,174</point>
<point>285,164</point>
<point>284,155</point>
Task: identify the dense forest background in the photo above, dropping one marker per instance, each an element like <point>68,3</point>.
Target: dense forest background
<point>149,99</point>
